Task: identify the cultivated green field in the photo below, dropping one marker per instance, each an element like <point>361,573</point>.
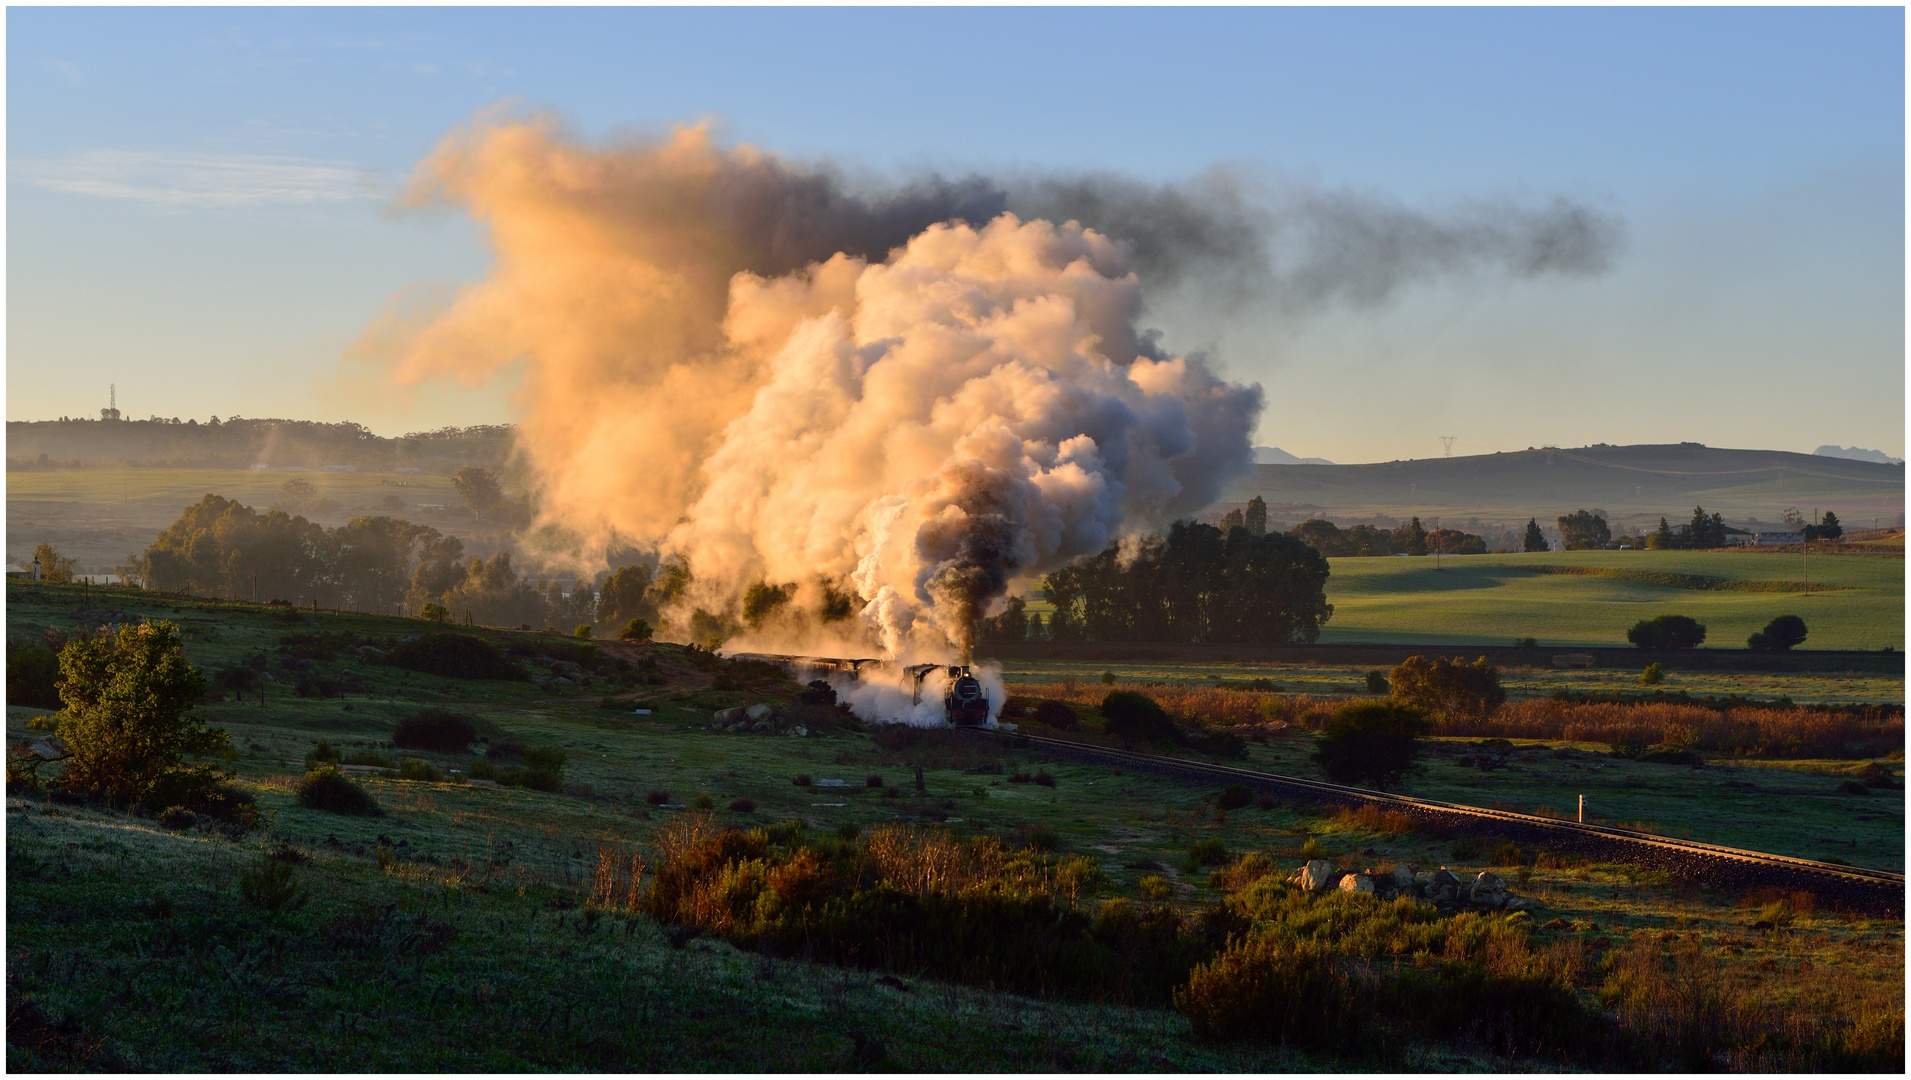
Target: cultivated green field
<point>1496,599</point>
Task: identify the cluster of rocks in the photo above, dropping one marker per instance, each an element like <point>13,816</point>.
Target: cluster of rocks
<point>1442,888</point>
<point>757,720</point>
<point>561,672</point>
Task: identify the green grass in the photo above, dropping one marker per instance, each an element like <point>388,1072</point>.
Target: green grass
<point>1494,599</point>
<point>447,957</point>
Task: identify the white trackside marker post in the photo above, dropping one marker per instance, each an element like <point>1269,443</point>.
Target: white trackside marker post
<point>1582,809</point>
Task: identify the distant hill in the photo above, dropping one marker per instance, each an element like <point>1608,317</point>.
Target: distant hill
<point>1274,455</point>
<point>1855,453</point>
<point>1632,485</point>
<point>239,444</point>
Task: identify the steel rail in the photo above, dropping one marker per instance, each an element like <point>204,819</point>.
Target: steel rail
<point>1341,792</point>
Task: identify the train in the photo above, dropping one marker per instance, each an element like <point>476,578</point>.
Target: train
<point>965,702</point>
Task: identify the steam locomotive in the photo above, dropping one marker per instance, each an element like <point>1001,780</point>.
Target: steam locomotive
<point>964,702</point>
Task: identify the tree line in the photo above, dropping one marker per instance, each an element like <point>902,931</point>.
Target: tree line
<point>1195,584</point>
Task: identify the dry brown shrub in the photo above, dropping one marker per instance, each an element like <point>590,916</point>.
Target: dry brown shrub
<point>1371,816</point>
<point>619,878</point>
<point>1765,731</point>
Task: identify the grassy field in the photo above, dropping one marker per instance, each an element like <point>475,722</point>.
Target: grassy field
<point>452,933</point>
<point>100,515</point>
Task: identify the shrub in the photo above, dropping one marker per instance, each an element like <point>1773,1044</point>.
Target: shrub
<point>127,696</point>
<point>271,884</point>
<point>1040,838</point>
<point>1449,688</point>
<point>326,788</point>
<point>1207,852</point>
<point>635,630</point>
<point>705,802</point>
<point>875,781</point>
<point>322,754</point>
<point>743,806</point>
<point>1136,716</point>
<point>1271,989</point>
<point>583,632</point>
<point>1667,632</point>
<point>801,780</point>
<point>33,673</point>
<point>1057,715</point>
<point>504,750</point>
<point>1370,743</point>
<point>1155,887</point>
<point>1108,678</point>
<point>657,798</point>
<point>1266,802</point>
<point>439,730</point>
<point>457,656</point>
<point>1043,779</point>
<point>420,770</point>
<point>482,770</point>
<point>1235,796</point>
<point>1780,634</point>
<point>546,759</point>
<point>1377,682</point>
<point>1653,675</point>
<point>1853,787</point>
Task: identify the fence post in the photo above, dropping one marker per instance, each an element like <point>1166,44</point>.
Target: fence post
<point>1582,809</point>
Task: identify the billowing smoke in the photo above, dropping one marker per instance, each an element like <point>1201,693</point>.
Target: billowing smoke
<point>905,400</point>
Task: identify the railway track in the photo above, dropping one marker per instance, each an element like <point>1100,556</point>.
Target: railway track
<point>1850,887</point>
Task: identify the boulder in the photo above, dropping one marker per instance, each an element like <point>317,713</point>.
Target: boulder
<point>50,747</point>
<point>1488,889</point>
<point>759,712</point>
<point>1446,879</point>
<point>1519,904</point>
<point>1357,883</point>
<point>800,732</point>
<point>1318,875</point>
<point>1403,877</point>
<point>730,716</point>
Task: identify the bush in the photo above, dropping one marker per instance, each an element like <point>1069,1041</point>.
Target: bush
<point>1040,838</point>
<point>326,788</point>
<point>1372,744</point>
<point>1270,989</point>
<point>635,630</point>
<point>271,884</point>
<point>1136,716</point>
<point>1043,779</point>
<point>457,656</point>
<point>583,632</point>
<point>439,730</point>
<point>1155,887</point>
<point>322,754</point>
<point>1235,796</point>
<point>1780,634</point>
<point>33,673</point>
<point>1667,632</point>
<point>482,770</point>
<point>1057,715</point>
<point>1377,682</point>
<point>127,697</point>
<point>657,798</point>
<point>1207,852</point>
<point>1653,675</point>
<point>874,781</point>
<point>546,759</point>
<point>1447,688</point>
<point>1266,802</point>
<point>743,806</point>
<point>801,780</point>
<point>419,770</point>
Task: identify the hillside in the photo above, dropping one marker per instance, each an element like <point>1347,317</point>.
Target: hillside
<point>1634,485</point>
<point>239,444</point>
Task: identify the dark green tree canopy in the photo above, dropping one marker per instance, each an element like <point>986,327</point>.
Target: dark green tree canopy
<point>127,695</point>
<point>1371,744</point>
<point>1667,632</point>
<point>1583,531</point>
<point>1784,632</point>
<point>1448,688</point>
<point>1535,539</point>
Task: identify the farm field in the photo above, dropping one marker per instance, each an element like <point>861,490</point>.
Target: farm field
<point>100,515</point>
<point>1326,680</point>
<point>464,910</point>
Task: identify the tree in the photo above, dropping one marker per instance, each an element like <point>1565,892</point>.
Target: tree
<point>1371,743</point>
<point>1535,539</point>
<point>1416,538</point>
<point>762,599</point>
<point>493,595</point>
<point>126,697</point>
<point>1583,531</point>
<point>625,596</point>
<point>297,493</point>
<point>1448,689</point>
<point>1662,538</point>
<point>1256,516</point>
<point>478,488</point>
<point>635,630</point>
<point>1233,520</point>
<point>1827,528</point>
<point>1703,531</point>
<point>1780,634</point>
<point>1011,625</point>
<point>1667,632</point>
<point>53,565</point>
<point>1137,717</point>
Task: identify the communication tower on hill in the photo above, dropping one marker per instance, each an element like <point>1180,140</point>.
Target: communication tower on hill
<point>111,412</point>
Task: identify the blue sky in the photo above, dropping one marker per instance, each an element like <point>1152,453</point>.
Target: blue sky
<point>199,201</point>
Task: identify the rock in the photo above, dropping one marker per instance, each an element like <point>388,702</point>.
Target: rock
<point>1402,877</point>
<point>371,652</point>
<point>801,732</point>
<point>729,716</point>
<point>1519,904</point>
<point>1425,881</point>
<point>50,747</point>
<point>1318,875</point>
<point>1446,879</point>
<point>1357,883</point>
<point>1488,881</point>
<point>759,712</point>
<point>1553,924</point>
